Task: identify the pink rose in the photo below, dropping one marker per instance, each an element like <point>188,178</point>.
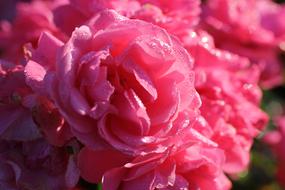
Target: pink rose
<point>249,28</point>
<point>135,94</point>
<point>228,86</point>
<point>276,140</point>
<point>30,21</point>
<point>241,19</point>
<point>36,165</point>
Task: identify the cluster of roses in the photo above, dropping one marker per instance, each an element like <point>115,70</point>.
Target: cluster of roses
<point>134,94</point>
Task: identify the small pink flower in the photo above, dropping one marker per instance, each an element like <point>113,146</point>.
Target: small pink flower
<point>249,28</point>
<point>30,21</point>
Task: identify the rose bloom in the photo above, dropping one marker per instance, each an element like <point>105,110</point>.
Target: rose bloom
<point>135,94</point>
<point>276,140</point>
<point>36,165</point>
<point>249,28</point>
<point>30,21</point>
<point>228,86</point>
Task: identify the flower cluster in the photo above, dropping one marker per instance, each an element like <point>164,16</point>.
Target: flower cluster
<point>134,94</point>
